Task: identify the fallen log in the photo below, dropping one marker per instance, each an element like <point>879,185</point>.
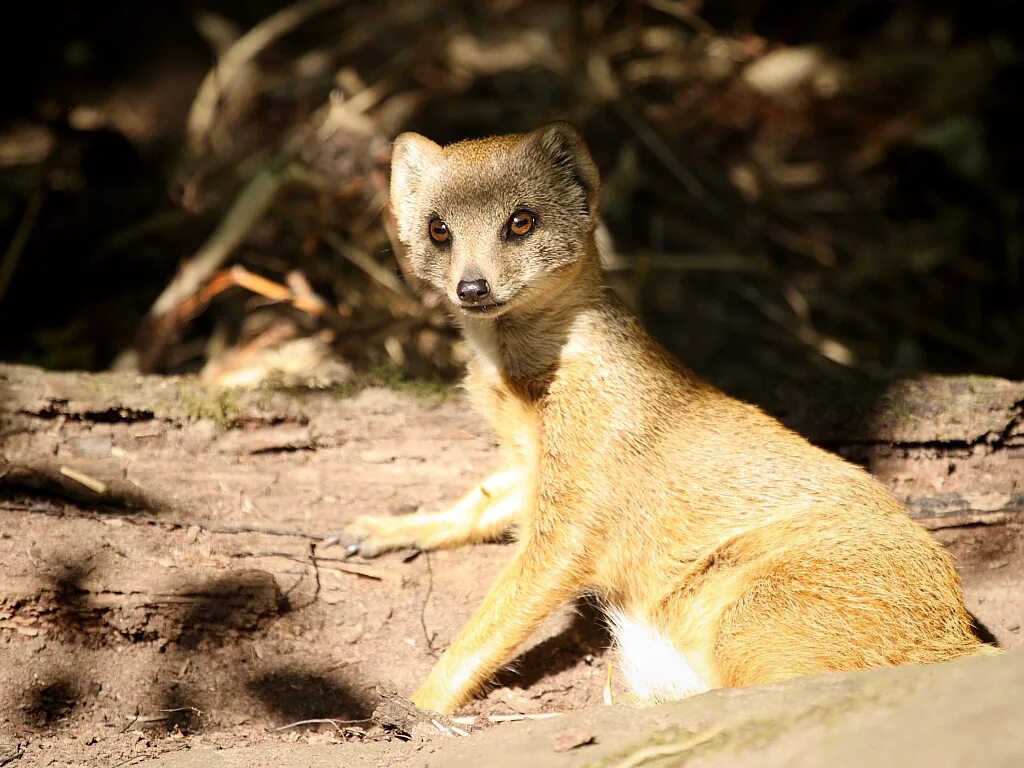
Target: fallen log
<point>301,463</point>
<point>952,448</point>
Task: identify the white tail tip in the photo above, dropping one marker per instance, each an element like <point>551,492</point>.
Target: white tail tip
<point>653,667</point>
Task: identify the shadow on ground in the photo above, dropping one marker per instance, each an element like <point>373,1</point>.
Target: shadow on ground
<point>586,634</point>
<point>201,637</point>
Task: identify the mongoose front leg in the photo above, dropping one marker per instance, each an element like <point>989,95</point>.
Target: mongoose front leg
<point>527,591</point>
<point>483,514</point>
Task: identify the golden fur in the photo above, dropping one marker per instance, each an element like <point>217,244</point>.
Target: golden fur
<point>752,553</point>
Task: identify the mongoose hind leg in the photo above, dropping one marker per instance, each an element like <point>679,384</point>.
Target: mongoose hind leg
<point>775,630</point>
<point>801,617</point>
<point>483,514</point>
<point>785,600</point>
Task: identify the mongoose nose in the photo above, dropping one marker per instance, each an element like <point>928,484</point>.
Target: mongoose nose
<point>473,290</point>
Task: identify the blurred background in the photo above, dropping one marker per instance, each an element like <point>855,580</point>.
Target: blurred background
<point>799,194</point>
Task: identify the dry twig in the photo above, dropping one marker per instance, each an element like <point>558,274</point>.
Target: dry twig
<point>656,751</point>
<point>319,720</point>
<point>250,205</point>
<point>94,485</point>
<point>473,719</point>
<point>12,254</point>
<point>237,57</point>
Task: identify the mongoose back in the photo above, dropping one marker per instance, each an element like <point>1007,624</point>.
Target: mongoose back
<point>726,549</point>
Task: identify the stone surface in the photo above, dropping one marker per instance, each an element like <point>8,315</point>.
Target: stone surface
<point>959,714</point>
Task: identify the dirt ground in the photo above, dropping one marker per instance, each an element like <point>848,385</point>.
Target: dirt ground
<point>194,605</point>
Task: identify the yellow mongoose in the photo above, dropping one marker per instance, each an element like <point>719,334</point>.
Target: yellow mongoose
<point>727,549</point>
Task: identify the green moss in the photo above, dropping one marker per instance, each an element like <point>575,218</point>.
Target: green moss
<point>96,385</point>
<point>394,378</point>
<point>220,406</point>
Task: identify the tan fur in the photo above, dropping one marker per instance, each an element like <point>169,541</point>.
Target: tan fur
<point>758,555</point>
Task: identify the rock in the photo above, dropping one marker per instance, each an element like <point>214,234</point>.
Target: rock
<point>966,712</point>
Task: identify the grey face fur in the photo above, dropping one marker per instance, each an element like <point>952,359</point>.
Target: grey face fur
<point>475,187</point>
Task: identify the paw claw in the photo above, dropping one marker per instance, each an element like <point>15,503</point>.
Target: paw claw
<point>353,545</point>
<point>370,550</point>
<point>362,546</point>
<point>371,536</point>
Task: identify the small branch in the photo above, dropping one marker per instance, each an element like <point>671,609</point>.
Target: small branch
<point>248,208</point>
<point>423,608</point>
<point>683,262</point>
<point>160,718</point>
<point>380,274</point>
<point>657,147</point>
<point>319,720</point>
<point>102,483</point>
<point>211,528</point>
<point>332,564</point>
<point>316,570</point>
<point>174,523</point>
<point>308,302</point>
<point>237,57</point>
<point>94,485</point>
<point>366,571</point>
<point>12,255</point>
<point>473,719</point>
<point>684,13</point>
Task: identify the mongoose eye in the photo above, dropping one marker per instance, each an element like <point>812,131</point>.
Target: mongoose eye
<point>521,223</point>
<point>439,231</point>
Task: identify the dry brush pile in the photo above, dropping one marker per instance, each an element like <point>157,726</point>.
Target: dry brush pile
<point>832,194</point>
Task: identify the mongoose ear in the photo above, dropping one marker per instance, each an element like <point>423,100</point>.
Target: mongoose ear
<point>565,146</point>
<point>412,157</point>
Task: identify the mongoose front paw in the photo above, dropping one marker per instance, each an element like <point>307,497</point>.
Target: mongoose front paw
<point>372,535</point>
<point>432,699</point>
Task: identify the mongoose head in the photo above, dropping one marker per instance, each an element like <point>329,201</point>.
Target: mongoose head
<point>498,224</point>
